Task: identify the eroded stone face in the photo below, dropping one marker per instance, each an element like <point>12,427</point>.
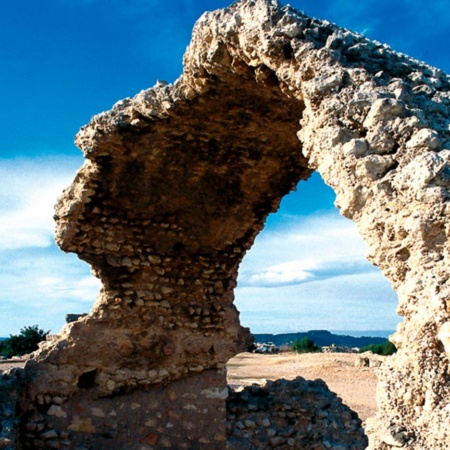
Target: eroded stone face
<point>178,182</point>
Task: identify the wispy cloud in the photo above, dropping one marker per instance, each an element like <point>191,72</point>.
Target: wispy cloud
<point>313,274</point>
<point>28,191</point>
<point>42,285</point>
<point>310,247</point>
<point>288,272</point>
<point>306,270</point>
<point>347,302</point>
<point>39,283</point>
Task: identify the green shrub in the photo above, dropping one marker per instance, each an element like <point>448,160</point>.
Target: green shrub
<point>306,345</point>
<point>23,343</point>
<point>388,348</point>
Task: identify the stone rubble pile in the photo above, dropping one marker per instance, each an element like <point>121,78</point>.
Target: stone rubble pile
<point>291,414</point>
<point>338,349</point>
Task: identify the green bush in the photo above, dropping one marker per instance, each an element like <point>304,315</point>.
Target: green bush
<point>386,349</point>
<point>23,343</point>
<point>306,345</point>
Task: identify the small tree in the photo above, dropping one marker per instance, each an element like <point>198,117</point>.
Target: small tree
<point>389,348</point>
<point>386,349</point>
<point>306,345</point>
<point>23,343</point>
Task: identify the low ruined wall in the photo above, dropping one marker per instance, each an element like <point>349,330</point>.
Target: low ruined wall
<point>187,414</point>
<point>9,420</point>
<point>177,183</point>
<point>295,414</point>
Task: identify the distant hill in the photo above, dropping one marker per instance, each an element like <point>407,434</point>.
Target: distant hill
<point>359,333</point>
<point>320,337</point>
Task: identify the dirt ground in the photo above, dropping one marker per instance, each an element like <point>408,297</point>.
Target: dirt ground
<point>10,364</point>
<point>356,386</point>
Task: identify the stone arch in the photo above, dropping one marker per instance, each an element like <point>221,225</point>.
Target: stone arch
<point>176,185</point>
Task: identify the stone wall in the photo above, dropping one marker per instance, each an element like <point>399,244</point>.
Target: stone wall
<point>187,414</point>
<point>9,421</point>
<point>179,180</point>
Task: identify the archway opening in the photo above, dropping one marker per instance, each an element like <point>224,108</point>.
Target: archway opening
<point>307,273</point>
<point>307,270</point>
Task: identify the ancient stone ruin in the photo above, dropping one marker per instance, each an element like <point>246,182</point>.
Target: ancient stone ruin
<point>177,183</point>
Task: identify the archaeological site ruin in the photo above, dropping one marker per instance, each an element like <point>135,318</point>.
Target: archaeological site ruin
<point>177,183</point>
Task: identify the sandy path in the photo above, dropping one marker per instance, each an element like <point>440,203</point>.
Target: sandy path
<point>356,386</point>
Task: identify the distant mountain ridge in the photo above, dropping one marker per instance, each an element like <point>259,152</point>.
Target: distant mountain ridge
<point>320,337</point>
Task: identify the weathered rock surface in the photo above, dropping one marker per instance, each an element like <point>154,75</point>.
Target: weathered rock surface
<point>178,182</point>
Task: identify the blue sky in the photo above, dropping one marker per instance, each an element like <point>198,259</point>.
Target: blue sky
<point>62,61</point>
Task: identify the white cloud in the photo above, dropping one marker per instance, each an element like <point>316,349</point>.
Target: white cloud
<point>40,284</point>
<point>288,272</point>
<point>63,287</point>
<point>28,191</point>
<point>306,270</point>
<point>308,248</point>
<point>313,274</point>
<point>346,302</point>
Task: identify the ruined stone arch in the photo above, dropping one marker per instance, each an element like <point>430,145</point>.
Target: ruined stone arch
<point>178,182</point>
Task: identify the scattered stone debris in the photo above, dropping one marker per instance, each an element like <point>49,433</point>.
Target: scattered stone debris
<point>270,347</point>
<point>338,349</point>
<point>369,359</point>
<point>296,414</point>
